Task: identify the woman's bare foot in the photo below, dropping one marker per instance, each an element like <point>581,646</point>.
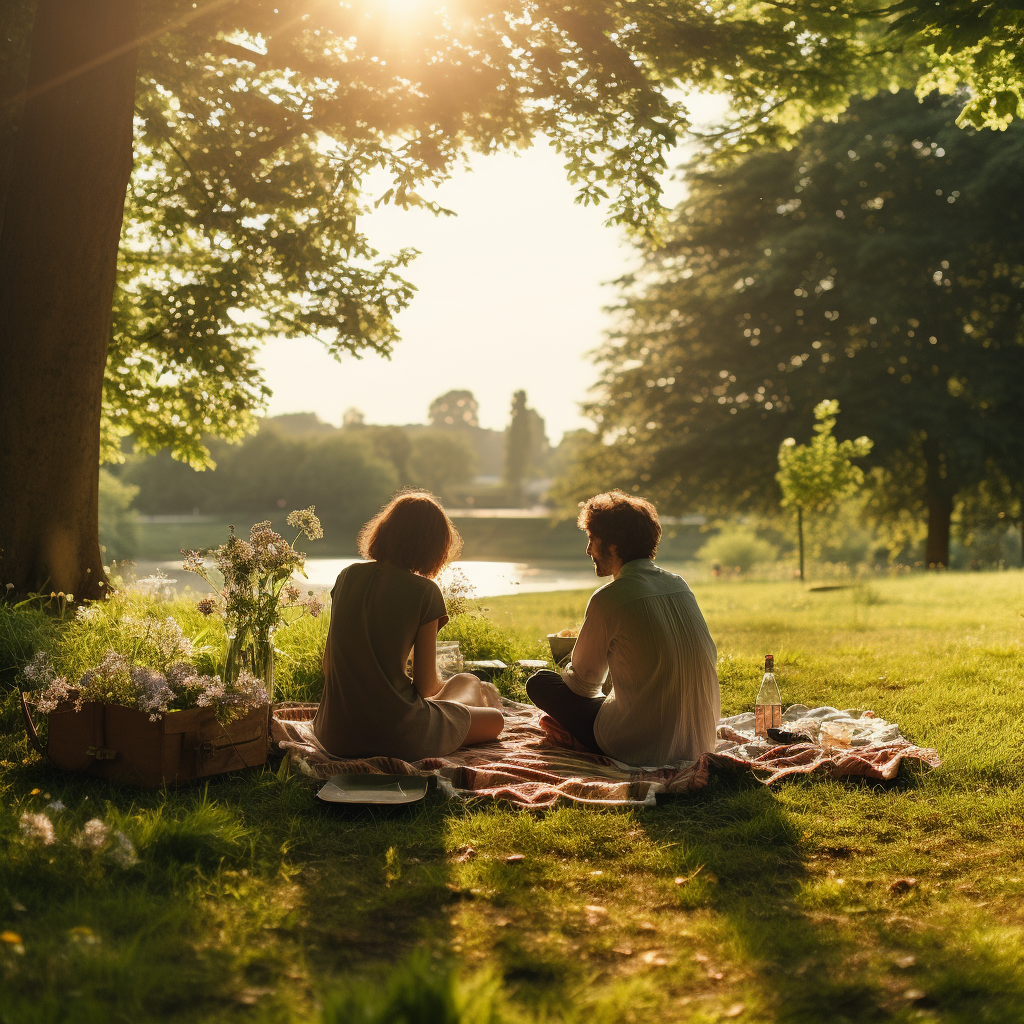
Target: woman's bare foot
<point>466,688</point>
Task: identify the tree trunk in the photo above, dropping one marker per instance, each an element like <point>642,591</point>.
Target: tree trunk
<point>800,533</point>
<point>58,264</point>
<point>940,493</point>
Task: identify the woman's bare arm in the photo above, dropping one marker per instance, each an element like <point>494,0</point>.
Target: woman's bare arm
<point>424,660</point>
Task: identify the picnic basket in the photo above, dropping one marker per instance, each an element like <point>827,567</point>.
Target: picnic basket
<point>122,745</point>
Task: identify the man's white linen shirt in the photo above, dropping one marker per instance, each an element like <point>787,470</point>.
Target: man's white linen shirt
<point>645,630</point>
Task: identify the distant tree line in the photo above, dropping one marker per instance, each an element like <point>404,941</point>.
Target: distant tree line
<point>297,460</point>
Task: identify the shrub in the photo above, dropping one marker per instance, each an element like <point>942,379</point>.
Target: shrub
<point>737,548</point>
<point>480,639</point>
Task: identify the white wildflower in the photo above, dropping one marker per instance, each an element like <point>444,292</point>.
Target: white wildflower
<point>171,641</point>
<point>93,836</point>
<point>56,805</point>
<point>37,827</point>
<point>39,671</point>
<point>88,612</point>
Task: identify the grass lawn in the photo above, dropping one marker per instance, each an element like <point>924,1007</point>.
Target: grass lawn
<point>794,904</point>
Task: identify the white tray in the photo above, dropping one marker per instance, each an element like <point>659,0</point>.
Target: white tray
<point>377,789</point>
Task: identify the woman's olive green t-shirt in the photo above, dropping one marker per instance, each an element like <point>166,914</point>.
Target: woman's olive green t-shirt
<point>370,706</point>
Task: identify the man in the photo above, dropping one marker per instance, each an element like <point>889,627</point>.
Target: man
<point>644,631</point>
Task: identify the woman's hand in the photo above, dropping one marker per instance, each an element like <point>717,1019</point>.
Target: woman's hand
<point>424,660</point>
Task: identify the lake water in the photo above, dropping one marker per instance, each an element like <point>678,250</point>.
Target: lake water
<point>490,579</point>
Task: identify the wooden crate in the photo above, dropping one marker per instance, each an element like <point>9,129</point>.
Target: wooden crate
<point>121,744</point>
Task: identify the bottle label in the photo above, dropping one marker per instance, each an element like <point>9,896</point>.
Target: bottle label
<point>767,716</point>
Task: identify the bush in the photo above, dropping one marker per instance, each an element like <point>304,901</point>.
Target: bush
<point>480,639</point>
<point>737,548</point>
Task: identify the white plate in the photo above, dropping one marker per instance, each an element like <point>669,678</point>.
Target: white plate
<point>376,789</point>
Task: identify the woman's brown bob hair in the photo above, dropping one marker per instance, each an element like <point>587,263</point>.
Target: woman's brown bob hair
<point>412,531</point>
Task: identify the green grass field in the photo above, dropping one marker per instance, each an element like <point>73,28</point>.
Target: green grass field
<point>249,903</point>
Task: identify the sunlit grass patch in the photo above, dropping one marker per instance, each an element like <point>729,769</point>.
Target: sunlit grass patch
<point>817,900</point>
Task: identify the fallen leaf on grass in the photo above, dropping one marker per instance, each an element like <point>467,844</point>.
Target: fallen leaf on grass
<point>646,926</point>
<point>251,996</point>
<point>463,854</point>
<point>735,1010</point>
<point>13,938</point>
<point>903,962</point>
<point>623,950</point>
<point>902,885</point>
<point>515,858</point>
<point>655,958</point>
<point>683,879</point>
<point>594,915</point>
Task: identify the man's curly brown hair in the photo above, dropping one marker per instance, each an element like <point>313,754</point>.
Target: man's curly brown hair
<point>628,522</point>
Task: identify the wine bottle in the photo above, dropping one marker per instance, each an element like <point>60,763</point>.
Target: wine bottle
<point>768,706</point>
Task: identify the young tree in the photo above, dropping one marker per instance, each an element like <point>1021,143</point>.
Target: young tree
<point>517,444</point>
<point>526,445</point>
<point>816,477</point>
<point>879,261</point>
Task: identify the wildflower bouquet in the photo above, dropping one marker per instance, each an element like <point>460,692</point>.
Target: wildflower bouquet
<point>118,680</point>
<point>256,589</point>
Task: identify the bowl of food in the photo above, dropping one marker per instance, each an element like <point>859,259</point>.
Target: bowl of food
<point>562,644</point>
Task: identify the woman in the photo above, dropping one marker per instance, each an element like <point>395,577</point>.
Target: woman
<point>383,609</point>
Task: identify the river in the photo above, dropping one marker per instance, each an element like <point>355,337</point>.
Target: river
<point>489,579</point>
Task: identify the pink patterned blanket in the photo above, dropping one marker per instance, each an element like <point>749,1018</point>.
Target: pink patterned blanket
<point>534,763</point>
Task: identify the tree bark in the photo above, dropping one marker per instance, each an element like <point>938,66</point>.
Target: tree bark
<point>58,264</point>
<point>940,492</point>
<point>800,534</point>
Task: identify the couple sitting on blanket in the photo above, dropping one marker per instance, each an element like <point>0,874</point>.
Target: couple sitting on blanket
<point>643,632</point>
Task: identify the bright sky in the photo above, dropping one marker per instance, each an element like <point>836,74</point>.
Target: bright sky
<point>511,293</point>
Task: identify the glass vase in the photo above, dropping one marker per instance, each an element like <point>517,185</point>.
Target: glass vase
<point>255,654</point>
<point>449,659</point>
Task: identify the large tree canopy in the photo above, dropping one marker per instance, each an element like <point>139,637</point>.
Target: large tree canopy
<point>880,263</point>
<point>257,127</point>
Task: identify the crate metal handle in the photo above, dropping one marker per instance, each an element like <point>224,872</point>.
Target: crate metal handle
<point>30,726</point>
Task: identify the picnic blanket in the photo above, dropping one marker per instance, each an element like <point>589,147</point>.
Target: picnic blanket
<point>535,763</point>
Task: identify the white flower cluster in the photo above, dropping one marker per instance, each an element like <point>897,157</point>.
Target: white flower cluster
<point>116,681</point>
<point>95,837</point>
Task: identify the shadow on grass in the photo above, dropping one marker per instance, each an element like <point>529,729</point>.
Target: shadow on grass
<point>811,958</point>
<point>246,894</point>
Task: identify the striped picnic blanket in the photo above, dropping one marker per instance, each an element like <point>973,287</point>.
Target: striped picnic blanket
<point>534,763</point>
